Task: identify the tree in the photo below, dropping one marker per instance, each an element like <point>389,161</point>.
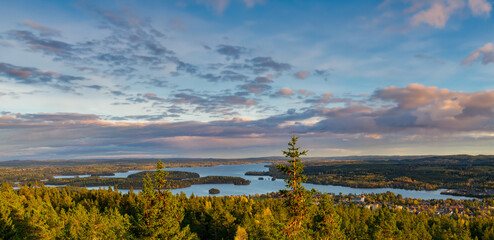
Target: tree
<point>326,222</point>
<point>241,234</point>
<point>160,212</point>
<point>297,200</point>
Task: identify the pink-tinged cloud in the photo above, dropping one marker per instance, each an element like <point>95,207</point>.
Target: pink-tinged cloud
<point>438,14</point>
<point>414,95</point>
<point>285,92</point>
<point>19,73</point>
<point>373,136</point>
<point>53,74</point>
<point>152,96</point>
<point>480,7</point>
<point>302,75</point>
<point>326,97</point>
<point>42,29</point>
<point>487,52</point>
<point>305,92</point>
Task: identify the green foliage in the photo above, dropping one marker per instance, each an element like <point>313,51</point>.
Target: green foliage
<point>39,212</point>
<point>81,223</point>
<point>160,214</point>
<point>241,234</point>
<point>295,167</point>
<point>326,222</point>
<point>298,199</point>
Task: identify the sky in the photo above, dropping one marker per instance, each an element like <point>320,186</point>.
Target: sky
<point>235,78</point>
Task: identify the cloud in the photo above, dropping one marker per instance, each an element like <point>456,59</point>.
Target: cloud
<point>305,92</point>
<point>431,107</point>
<point>392,115</point>
<point>435,13</point>
<point>43,30</point>
<point>225,76</point>
<point>232,52</point>
<point>56,117</point>
<point>223,104</point>
<point>323,99</point>
<point>29,75</point>
<point>487,51</point>
<point>414,95</point>
<point>131,43</point>
<point>264,64</point>
<point>322,73</point>
<point>302,75</point>
<point>95,87</point>
<point>45,45</point>
<point>149,118</point>
<point>480,7</point>
<point>285,92</point>
<point>152,96</point>
<point>259,85</point>
<point>438,14</point>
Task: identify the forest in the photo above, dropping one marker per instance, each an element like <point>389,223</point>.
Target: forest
<point>464,174</point>
<point>38,212</point>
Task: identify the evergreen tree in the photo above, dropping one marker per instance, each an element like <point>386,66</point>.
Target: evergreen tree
<point>326,222</point>
<point>297,200</point>
<point>160,214</point>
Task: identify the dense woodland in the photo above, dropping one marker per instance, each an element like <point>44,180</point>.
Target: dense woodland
<point>46,213</point>
<point>38,212</point>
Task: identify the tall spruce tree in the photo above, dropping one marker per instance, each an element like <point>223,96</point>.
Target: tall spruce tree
<point>297,200</point>
<point>161,214</point>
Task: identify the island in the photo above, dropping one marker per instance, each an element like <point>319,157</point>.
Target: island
<point>214,191</point>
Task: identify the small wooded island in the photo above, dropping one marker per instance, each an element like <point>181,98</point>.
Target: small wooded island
<point>176,179</point>
<point>214,191</point>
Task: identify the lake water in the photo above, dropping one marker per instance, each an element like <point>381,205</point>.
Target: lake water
<point>267,185</point>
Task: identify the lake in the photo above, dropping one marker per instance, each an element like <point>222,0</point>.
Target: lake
<point>267,185</point>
